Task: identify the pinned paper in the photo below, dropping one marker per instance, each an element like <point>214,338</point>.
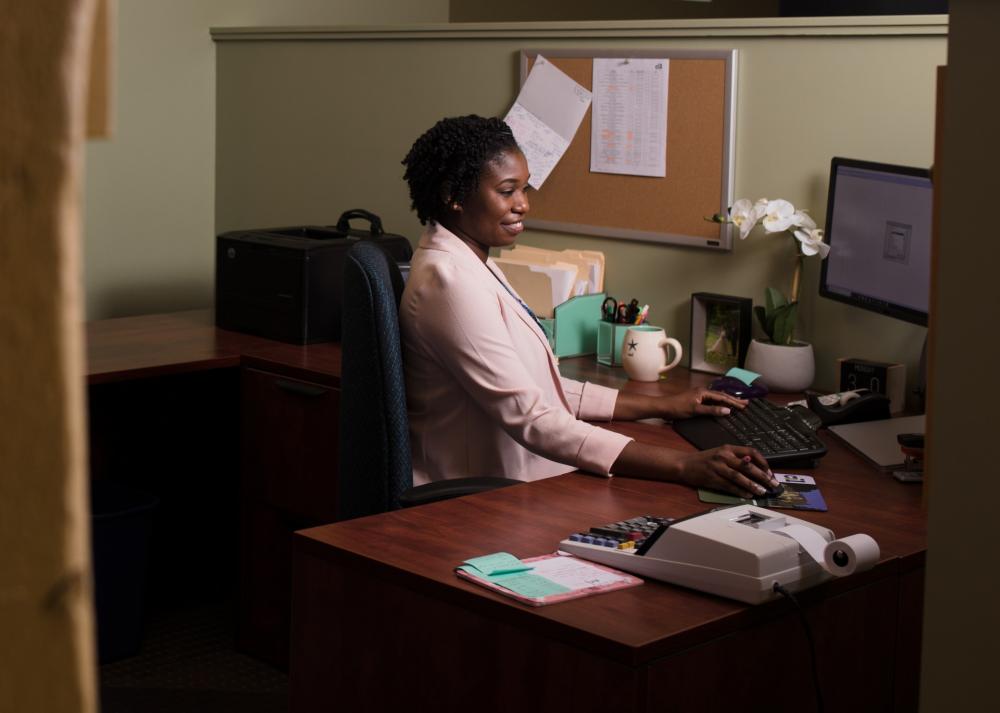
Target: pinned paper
<point>545,117</point>
<point>629,127</point>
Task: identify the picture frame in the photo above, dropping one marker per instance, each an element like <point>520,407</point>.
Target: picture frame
<point>721,329</point>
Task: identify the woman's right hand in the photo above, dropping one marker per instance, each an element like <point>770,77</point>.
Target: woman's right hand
<point>737,470</point>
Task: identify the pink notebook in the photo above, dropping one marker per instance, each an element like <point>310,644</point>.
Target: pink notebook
<point>572,576</point>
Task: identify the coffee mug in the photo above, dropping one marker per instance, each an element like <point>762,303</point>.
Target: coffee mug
<point>645,353</point>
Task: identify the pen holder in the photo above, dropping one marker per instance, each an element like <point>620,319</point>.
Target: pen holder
<point>610,336</point>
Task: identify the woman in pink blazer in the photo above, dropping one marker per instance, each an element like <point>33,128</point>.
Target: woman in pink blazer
<point>484,393</point>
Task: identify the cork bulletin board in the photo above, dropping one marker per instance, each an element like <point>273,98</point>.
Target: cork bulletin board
<point>701,105</point>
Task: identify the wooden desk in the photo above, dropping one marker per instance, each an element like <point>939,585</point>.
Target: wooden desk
<point>380,621</point>
<point>237,435</point>
<point>197,413</point>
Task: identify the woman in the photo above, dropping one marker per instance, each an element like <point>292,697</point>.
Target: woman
<point>484,393</point>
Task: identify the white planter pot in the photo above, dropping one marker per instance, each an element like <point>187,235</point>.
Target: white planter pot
<point>783,368</point>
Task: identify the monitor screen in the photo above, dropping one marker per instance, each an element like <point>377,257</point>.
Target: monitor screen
<point>878,226</point>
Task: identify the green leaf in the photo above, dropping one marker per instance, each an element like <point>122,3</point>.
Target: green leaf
<point>784,324</point>
<point>774,299</point>
<point>762,318</point>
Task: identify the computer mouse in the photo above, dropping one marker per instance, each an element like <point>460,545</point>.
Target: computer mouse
<point>774,492</point>
<point>734,387</point>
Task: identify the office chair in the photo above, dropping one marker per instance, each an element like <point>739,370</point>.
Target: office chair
<point>376,474</point>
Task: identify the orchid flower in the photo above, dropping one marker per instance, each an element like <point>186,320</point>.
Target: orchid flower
<point>802,219</point>
<point>777,318</point>
<point>778,216</point>
<point>812,242</point>
<point>744,215</point>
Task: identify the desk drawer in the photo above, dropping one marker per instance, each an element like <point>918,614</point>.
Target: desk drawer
<point>289,446</point>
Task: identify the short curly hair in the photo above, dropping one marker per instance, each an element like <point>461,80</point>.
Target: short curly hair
<point>444,165</point>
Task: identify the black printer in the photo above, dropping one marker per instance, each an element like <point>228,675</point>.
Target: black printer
<point>286,283</point>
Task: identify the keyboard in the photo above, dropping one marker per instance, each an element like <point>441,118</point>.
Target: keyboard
<point>779,433</point>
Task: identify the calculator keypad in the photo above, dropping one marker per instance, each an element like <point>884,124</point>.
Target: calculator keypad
<point>624,535</point>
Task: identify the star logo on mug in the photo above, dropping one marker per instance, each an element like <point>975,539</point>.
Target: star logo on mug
<point>632,345</point>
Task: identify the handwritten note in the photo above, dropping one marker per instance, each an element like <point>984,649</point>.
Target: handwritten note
<point>545,117</point>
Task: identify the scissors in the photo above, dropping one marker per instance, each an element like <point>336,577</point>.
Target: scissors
<point>609,309</point>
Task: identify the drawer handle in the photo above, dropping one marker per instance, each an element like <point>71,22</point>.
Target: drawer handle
<point>299,388</point>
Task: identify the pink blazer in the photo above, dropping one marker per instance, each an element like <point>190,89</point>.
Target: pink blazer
<point>483,390</point>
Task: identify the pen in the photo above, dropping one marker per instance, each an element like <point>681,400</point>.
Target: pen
<point>641,317</point>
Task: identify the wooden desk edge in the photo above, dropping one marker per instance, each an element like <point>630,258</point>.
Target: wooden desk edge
<point>309,543</point>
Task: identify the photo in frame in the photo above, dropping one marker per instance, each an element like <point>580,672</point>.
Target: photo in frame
<point>721,328</point>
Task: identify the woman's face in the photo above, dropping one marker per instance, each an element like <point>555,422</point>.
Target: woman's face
<point>491,217</point>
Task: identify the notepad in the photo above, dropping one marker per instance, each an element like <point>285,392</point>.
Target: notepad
<point>547,579</point>
<point>876,440</point>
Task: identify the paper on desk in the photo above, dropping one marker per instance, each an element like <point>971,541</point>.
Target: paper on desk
<point>545,117</point>
<point>494,564</point>
<point>562,279</point>
<point>541,286</point>
<point>574,573</point>
<point>588,268</point>
<point>529,584</point>
<point>628,132</point>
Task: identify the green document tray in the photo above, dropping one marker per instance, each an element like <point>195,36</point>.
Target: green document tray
<point>610,337</point>
<point>572,331</point>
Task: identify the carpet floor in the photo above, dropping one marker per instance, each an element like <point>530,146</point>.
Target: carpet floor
<point>188,664</point>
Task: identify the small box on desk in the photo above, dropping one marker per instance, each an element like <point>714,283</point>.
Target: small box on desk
<point>572,331</point>
<point>880,377</point>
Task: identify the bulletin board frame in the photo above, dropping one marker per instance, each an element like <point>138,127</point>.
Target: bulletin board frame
<point>701,138</point>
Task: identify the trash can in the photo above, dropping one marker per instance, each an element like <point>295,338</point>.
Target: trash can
<point>121,522</point>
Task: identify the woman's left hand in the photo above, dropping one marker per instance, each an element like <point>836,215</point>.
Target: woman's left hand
<point>698,402</point>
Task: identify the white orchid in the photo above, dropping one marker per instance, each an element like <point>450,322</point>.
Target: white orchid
<point>812,242</point>
<point>802,219</point>
<point>745,215</point>
<point>778,216</point>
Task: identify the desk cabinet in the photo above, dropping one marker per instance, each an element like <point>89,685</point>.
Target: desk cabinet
<point>289,471</point>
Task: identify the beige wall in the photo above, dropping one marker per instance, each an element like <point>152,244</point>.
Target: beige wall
<point>961,616</point>
<point>293,150</point>
<point>149,213</point>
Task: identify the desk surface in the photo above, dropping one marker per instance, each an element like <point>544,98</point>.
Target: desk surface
<point>652,647</point>
<point>178,342</point>
<point>420,548</point>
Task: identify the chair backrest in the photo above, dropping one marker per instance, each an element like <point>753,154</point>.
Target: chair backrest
<point>375,465</point>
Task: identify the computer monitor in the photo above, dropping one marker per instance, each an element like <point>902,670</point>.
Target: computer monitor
<point>878,226</point>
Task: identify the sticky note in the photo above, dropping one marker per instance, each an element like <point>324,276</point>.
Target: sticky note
<point>529,585</point>
<point>743,375</point>
<point>494,564</point>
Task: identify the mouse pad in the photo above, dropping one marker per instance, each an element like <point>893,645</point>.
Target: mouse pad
<point>801,493</point>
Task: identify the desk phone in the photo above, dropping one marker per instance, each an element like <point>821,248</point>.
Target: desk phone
<point>739,552</point>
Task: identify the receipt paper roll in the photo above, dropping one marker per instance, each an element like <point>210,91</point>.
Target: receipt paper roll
<point>842,557</point>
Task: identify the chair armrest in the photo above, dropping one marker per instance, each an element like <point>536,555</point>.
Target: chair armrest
<point>455,488</point>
